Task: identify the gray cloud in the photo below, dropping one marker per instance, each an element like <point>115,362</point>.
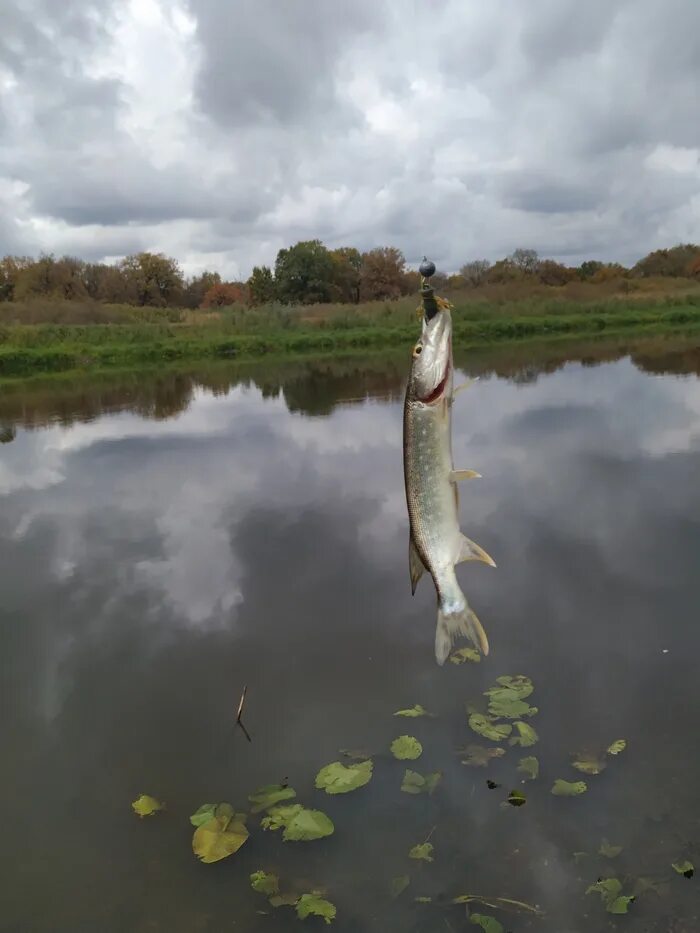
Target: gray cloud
<point>458,131</point>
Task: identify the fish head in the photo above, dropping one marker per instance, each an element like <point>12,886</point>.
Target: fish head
<point>432,359</point>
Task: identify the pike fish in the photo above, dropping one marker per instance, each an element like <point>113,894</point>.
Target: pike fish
<point>436,543</point>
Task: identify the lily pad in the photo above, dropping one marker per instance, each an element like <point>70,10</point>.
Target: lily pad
<point>564,788</point>
<point>423,851</point>
<point>478,756</point>
<point>309,904</point>
<point>520,685</point>
<point>265,883</point>
<point>299,824</point>
<point>337,778</point>
<point>526,735</point>
<point>488,727</point>
<point>221,836</point>
<point>529,766</point>
<point>283,900</point>
<point>269,796</point>
<point>507,706</point>
<point>608,851</point>
<point>414,712</point>
<point>686,868</point>
<point>415,783</point>
<point>610,891</point>
<point>489,924</point>
<point>146,806</point>
<point>204,813</point>
<point>588,763</point>
<point>465,654</point>
<point>399,885</point>
<point>406,747</point>
<point>619,745</point>
<point>516,798</point>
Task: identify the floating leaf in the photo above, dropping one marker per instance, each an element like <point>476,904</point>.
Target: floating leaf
<point>529,766</point>
<point>465,654</point>
<point>264,883</point>
<point>399,885</point>
<point>423,851</point>
<point>284,900</point>
<point>478,756</point>
<point>300,825</point>
<point>423,900</point>
<point>487,727</point>
<point>406,747</point>
<point>687,869</point>
<point>520,685</point>
<point>563,788</point>
<point>516,798</point>
<point>608,851</point>
<point>489,924</point>
<point>500,903</point>
<point>526,735</point>
<point>619,745</point>
<point>588,763</point>
<point>221,836</point>
<point>146,806</point>
<point>508,706</point>
<point>337,778</point>
<point>270,795</point>
<point>609,890</point>
<point>415,783</point>
<point>313,904</point>
<point>205,813</point>
<point>414,712</point>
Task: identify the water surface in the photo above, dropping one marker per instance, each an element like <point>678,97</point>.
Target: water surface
<point>165,540</point>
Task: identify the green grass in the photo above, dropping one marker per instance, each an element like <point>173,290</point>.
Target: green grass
<point>253,333</point>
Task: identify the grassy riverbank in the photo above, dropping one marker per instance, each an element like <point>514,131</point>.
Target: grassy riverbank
<point>155,337</point>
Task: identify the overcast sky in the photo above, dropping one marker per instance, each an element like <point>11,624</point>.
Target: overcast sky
<point>219,132</point>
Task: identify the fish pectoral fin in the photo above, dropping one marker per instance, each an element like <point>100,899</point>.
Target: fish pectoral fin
<point>470,551</point>
<point>415,565</point>
<point>464,385</point>
<point>457,475</point>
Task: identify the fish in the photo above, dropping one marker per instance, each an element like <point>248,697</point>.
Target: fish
<point>436,543</point>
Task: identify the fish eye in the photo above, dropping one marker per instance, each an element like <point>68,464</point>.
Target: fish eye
<point>418,349</point>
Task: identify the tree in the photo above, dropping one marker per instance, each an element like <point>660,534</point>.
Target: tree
<point>304,273</point>
<point>261,286</point>
<point>224,294</point>
<point>526,260</point>
<point>674,261</point>
<point>475,272</point>
<point>382,273</point>
<point>503,271</point>
<point>10,268</point>
<point>198,286</point>
<point>608,272</point>
<point>347,264</point>
<point>694,267</point>
<point>155,278</point>
<point>589,268</point>
<point>550,272</point>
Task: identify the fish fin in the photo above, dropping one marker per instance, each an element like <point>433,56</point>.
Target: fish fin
<point>457,475</point>
<point>468,550</point>
<point>464,385</point>
<point>415,565</point>
<point>451,624</point>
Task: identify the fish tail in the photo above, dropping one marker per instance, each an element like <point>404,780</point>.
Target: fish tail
<point>460,620</point>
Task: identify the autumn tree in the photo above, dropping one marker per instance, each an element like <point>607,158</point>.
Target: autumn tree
<point>504,271</point>
<point>347,265</point>
<point>382,273</point>
<point>589,268</point>
<point>550,272</point>
<point>672,262</point>
<point>475,272</point>
<point>224,294</point>
<point>10,269</point>
<point>197,288</point>
<point>304,273</point>
<point>155,278</point>
<point>261,286</point>
<point>526,260</point>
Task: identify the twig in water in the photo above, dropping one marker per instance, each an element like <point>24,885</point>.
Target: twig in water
<point>239,721</point>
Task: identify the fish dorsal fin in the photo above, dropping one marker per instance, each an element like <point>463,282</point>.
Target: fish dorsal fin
<point>468,550</point>
<point>415,564</point>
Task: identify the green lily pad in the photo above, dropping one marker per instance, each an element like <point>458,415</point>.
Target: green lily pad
<point>265,883</point>
<point>337,778</point>
<point>414,712</point>
<point>516,798</point>
<point>283,900</point>
<point>588,763</point>
<point>608,851</point>
<point>423,851</point>
<point>529,766</point>
<point>478,756</point>
<point>520,685</point>
<point>686,868</point>
<point>465,654</point>
<point>299,824</point>
<point>507,698</point>
<point>204,813</point>
<point>415,783</point>
<point>526,735</point>
<point>406,747</point>
<point>619,745</point>
<point>146,806</point>
<point>399,885</point>
<point>489,924</point>
<point>309,904</point>
<point>487,727</point>
<point>269,796</point>
<point>221,836</point>
<point>610,891</point>
<point>563,788</point>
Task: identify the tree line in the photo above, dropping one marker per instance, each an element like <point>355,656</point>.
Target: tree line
<point>306,273</point>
